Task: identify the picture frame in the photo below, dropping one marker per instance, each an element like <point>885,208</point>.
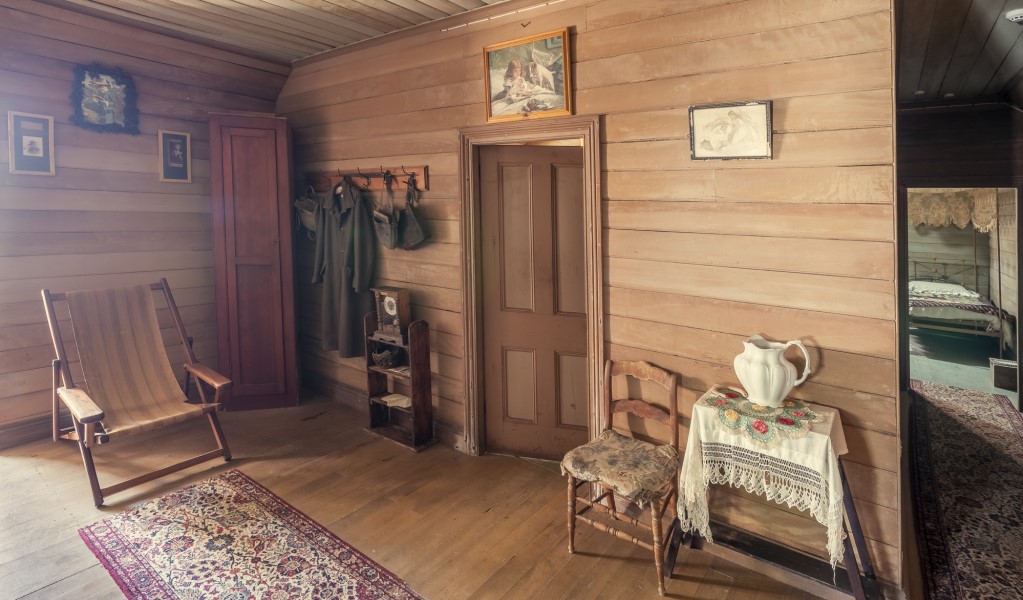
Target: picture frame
<point>529,77</point>
<point>30,144</point>
<point>175,156</point>
<point>730,131</point>
<point>104,99</point>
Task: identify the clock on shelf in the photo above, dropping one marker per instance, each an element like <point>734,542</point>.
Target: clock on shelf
<point>392,308</point>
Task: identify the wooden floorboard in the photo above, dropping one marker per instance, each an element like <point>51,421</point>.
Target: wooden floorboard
<point>451,525</point>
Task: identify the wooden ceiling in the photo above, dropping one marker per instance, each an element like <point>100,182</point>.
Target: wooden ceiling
<point>279,30</point>
<point>950,51</point>
<point>958,51</point>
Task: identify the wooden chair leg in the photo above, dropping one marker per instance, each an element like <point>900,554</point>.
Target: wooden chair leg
<point>571,514</point>
<point>655,528</point>
<point>218,433</point>
<point>56,400</point>
<point>84,442</point>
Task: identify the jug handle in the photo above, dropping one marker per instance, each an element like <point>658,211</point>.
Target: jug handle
<point>806,369</point>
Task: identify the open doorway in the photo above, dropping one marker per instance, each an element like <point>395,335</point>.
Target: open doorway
<point>503,381</point>
<point>962,272</point>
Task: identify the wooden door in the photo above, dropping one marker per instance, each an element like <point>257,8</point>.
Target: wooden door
<point>252,260</point>
<point>534,300</point>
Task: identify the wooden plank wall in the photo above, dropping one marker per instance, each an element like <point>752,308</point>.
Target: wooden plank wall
<point>1004,254</point>
<point>105,219</point>
<point>975,145</point>
<point>699,255</point>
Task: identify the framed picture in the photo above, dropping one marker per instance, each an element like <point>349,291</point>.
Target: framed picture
<point>175,156</point>
<point>730,131</point>
<point>30,139</point>
<point>104,99</point>
<point>530,77</point>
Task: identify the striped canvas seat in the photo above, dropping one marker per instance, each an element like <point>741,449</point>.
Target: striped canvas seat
<point>127,371</point>
<point>129,386</point>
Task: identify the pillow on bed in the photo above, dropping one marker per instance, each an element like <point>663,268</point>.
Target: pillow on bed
<point>944,289</point>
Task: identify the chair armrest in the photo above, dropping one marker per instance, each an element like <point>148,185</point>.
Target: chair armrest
<point>80,405</point>
<point>208,375</point>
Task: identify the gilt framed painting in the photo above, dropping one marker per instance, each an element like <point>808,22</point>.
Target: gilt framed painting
<point>734,130</point>
<point>528,78</point>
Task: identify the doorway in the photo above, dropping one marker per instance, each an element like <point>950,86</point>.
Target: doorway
<point>535,393</point>
<point>962,279</point>
<point>527,392</point>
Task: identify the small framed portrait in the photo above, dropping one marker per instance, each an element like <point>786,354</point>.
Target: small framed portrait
<point>733,130</point>
<point>30,139</point>
<point>530,77</point>
<point>175,156</point>
<point>104,99</point>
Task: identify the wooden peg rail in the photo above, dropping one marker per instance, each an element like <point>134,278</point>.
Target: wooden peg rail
<point>371,179</point>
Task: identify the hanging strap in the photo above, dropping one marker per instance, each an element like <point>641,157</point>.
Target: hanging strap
<point>411,191</point>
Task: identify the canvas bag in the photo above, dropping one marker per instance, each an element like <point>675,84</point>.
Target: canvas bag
<point>385,222</point>
<point>410,227</point>
<point>307,207</point>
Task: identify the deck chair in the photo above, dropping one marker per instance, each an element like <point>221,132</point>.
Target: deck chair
<point>640,472</point>
<point>129,386</point>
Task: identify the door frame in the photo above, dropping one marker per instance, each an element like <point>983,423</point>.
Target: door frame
<point>470,139</point>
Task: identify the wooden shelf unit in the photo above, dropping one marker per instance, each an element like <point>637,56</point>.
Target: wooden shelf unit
<point>411,427</point>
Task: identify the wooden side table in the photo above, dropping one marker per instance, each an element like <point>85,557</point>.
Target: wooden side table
<point>734,442</point>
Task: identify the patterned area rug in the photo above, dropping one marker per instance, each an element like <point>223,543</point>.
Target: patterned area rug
<point>229,538</point>
<point>967,474</point>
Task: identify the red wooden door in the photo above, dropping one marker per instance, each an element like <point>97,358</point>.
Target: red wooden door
<point>249,158</point>
<point>534,300</point>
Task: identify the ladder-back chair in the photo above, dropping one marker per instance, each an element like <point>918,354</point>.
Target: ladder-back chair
<point>129,385</point>
<point>641,472</point>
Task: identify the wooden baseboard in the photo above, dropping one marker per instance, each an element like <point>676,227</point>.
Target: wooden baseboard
<point>23,432</point>
<point>445,432</point>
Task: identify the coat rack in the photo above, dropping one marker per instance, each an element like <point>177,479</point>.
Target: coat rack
<point>371,179</point>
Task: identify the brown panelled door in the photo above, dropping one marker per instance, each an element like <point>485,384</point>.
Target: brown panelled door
<point>534,300</point>
<point>250,173</point>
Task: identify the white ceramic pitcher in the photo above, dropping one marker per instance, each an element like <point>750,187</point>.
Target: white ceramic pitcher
<point>765,373</point>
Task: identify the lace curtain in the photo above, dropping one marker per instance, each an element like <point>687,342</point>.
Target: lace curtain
<point>959,207</point>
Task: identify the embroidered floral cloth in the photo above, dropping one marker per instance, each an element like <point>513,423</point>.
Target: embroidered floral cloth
<point>801,472</point>
<point>635,469</point>
<point>764,424</point>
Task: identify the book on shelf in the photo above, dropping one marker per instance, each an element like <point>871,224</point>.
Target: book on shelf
<point>404,370</point>
<point>396,400</point>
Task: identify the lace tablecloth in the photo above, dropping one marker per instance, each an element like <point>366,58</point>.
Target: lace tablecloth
<point>797,466</point>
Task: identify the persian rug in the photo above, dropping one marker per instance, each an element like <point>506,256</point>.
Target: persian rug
<point>967,475</point>
<point>229,538</point>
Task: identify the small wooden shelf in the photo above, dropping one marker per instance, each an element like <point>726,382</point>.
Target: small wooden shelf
<point>410,426</point>
<point>392,371</point>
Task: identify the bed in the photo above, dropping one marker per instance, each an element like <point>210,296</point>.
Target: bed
<point>940,298</point>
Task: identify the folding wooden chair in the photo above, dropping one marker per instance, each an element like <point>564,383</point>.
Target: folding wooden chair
<point>129,385</point>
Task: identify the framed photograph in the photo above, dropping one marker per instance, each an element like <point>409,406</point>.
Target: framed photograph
<point>730,131</point>
<point>530,77</point>
<point>175,156</point>
<point>104,99</point>
<point>30,139</point>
